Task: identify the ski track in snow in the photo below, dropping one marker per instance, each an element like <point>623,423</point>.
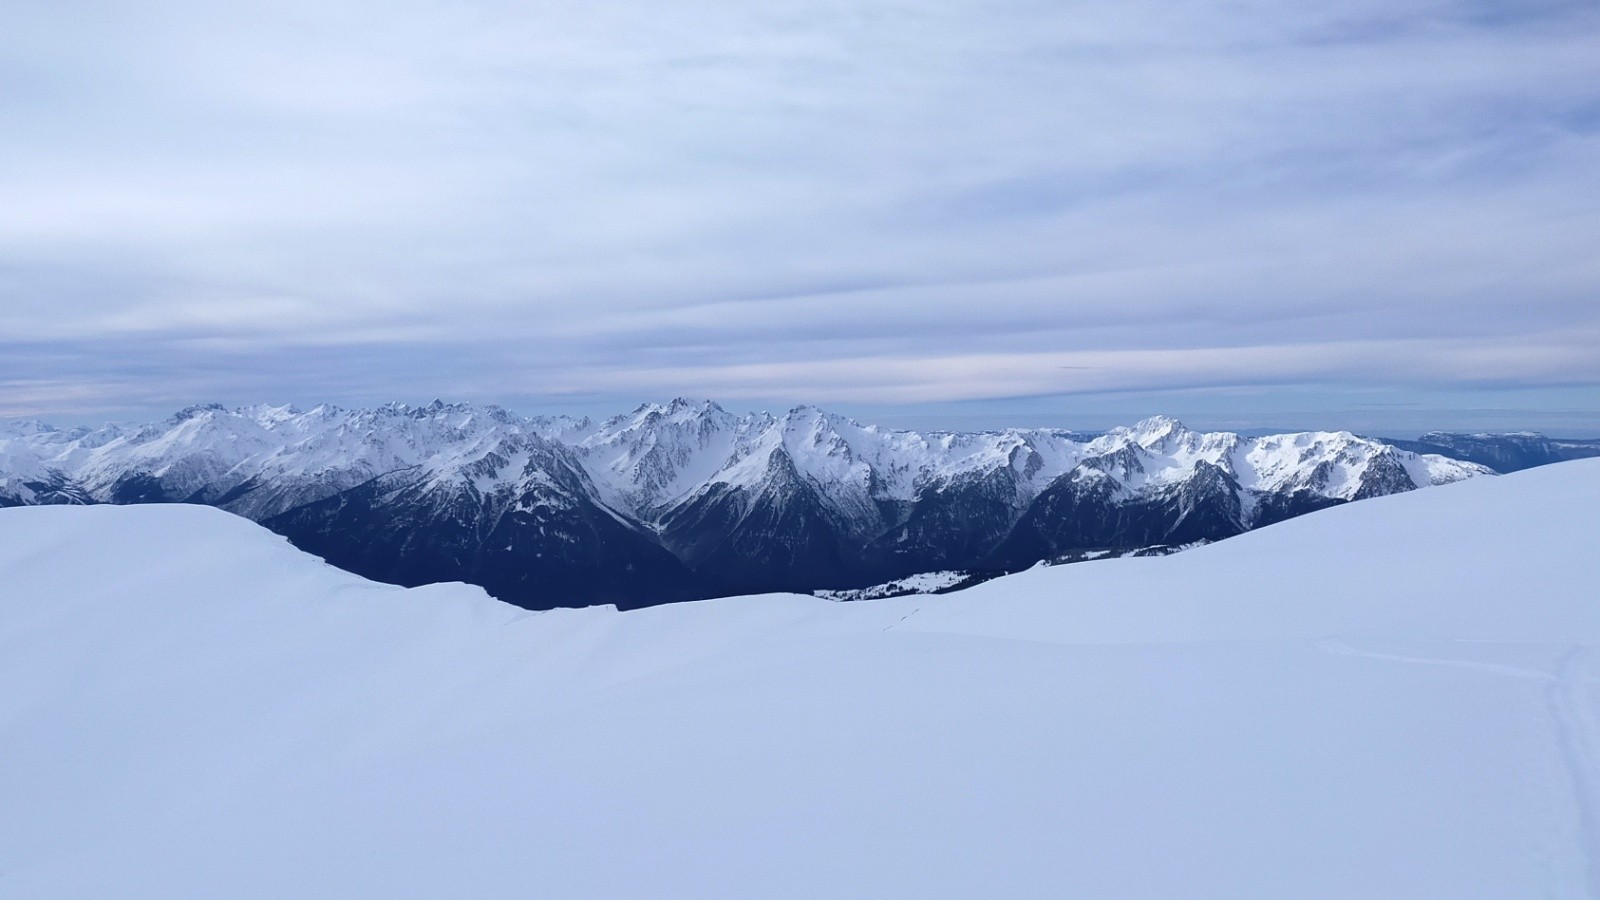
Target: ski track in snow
<point>1579,738</point>
<point>1573,725</point>
<point>902,619</point>
<point>1344,649</point>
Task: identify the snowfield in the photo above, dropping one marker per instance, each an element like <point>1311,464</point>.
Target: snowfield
<point>1395,698</point>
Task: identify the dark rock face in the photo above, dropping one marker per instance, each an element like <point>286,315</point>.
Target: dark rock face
<point>543,543</point>
<point>1082,511</point>
<point>525,551</point>
<point>54,490</point>
<point>951,525</point>
<point>1274,508</point>
<point>780,536</point>
<point>139,487</point>
<point>1384,475</point>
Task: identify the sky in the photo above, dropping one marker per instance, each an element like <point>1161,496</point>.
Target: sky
<point>1383,216</point>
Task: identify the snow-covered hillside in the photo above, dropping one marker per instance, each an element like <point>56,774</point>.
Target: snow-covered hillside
<point>688,500</point>
<point>1395,698</point>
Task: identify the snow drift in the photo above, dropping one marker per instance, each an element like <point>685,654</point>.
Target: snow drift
<point>1388,699</point>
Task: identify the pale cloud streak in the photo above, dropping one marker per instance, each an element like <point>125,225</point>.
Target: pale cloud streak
<point>873,202</point>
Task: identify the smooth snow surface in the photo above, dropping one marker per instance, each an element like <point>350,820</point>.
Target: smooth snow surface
<point>1389,699</point>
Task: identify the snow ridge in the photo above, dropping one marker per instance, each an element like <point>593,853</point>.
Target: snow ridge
<point>1394,698</point>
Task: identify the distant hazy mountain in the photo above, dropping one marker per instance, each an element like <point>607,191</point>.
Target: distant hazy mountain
<point>685,500</point>
<point>1501,452</point>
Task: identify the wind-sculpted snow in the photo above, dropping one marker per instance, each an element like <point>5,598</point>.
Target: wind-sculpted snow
<point>687,499</point>
<point>1395,698</point>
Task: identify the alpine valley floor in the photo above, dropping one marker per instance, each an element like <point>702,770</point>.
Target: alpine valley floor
<point>1394,698</point>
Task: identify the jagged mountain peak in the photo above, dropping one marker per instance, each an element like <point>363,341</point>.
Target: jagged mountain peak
<point>675,408</point>
<point>1154,430</point>
<point>805,417</point>
<point>196,411</point>
<point>267,415</point>
<point>27,427</point>
<point>433,407</point>
<point>811,419</point>
<point>705,405</point>
<point>1157,423</point>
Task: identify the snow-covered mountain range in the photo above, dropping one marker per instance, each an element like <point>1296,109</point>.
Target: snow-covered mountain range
<point>685,499</point>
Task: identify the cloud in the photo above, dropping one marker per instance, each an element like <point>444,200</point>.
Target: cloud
<point>879,201</point>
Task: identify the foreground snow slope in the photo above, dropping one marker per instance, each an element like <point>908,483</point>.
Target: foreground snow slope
<point>1389,699</point>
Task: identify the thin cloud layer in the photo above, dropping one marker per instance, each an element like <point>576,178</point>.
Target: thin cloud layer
<point>870,202</point>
